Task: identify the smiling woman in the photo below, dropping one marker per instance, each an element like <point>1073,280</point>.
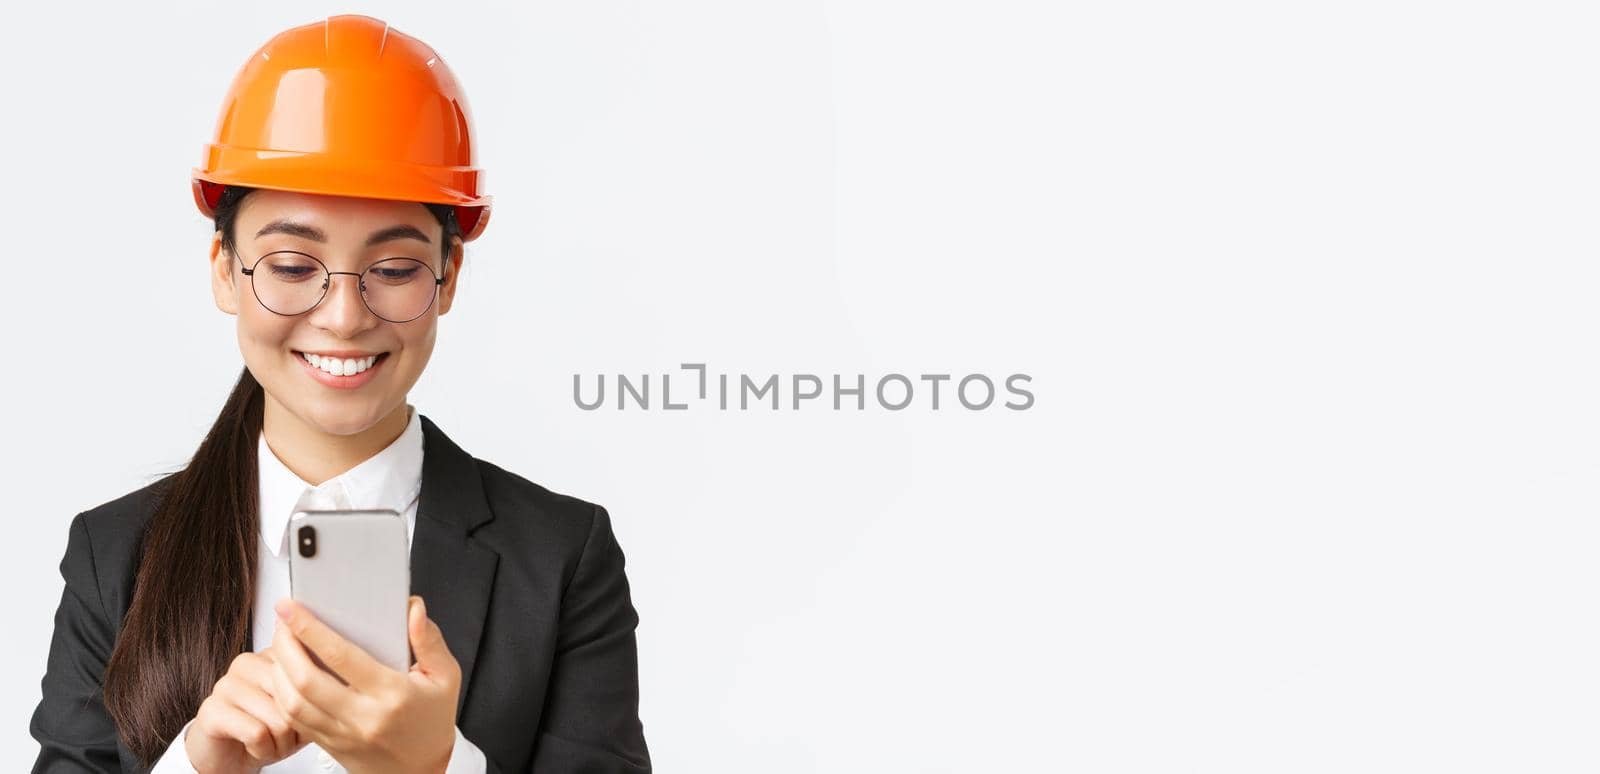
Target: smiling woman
<point>340,215</point>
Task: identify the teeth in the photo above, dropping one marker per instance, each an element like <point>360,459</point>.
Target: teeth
<point>340,366</point>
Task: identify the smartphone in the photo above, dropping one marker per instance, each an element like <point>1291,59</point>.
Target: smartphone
<point>352,570</point>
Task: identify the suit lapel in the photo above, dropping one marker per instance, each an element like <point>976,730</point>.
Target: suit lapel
<point>453,573</point>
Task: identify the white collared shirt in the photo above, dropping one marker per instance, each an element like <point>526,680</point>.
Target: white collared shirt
<point>391,479</point>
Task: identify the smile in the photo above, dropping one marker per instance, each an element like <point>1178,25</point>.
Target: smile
<point>341,372</point>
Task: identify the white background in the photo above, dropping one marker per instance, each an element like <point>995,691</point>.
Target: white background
<point>1306,291</point>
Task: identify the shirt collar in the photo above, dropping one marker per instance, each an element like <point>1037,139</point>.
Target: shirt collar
<point>391,479</point>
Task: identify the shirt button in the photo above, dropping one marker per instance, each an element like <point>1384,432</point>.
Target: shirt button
<point>326,760</point>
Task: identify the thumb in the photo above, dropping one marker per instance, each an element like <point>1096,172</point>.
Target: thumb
<point>427,642</point>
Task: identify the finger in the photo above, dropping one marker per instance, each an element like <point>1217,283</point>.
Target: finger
<point>311,722</point>
<point>256,668</point>
<point>427,642</point>
<point>248,686</point>
<point>343,657</point>
<point>308,679</point>
<point>260,705</point>
<point>244,729</point>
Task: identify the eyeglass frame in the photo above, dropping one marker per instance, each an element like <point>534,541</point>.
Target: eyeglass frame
<point>327,283</point>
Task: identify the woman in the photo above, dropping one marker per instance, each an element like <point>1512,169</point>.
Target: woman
<point>342,187</point>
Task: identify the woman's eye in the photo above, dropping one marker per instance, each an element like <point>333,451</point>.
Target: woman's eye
<point>291,272</point>
<point>388,274</point>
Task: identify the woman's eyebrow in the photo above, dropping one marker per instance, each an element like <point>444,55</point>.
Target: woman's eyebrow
<point>315,234</point>
<point>398,232</point>
<point>293,229</point>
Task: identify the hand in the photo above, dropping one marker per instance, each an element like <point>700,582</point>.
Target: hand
<point>239,728</point>
<point>369,717</point>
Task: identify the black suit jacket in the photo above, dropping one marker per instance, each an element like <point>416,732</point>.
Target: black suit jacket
<point>527,585</point>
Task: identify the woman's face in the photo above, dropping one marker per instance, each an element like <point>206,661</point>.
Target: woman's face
<point>347,235</point>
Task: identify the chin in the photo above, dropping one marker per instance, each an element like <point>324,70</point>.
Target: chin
<point>348,419</point>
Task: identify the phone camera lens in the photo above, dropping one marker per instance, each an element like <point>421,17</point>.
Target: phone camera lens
<point>307,540</point>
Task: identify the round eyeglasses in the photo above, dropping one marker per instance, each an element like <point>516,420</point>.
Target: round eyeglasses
<point>291,283</point>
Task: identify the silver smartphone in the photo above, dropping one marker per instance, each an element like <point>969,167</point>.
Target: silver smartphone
<point>352,570</point>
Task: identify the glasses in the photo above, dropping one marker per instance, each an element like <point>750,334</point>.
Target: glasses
<point>291,283</point>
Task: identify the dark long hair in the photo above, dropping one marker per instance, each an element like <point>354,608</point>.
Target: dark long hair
<point>194,592</point>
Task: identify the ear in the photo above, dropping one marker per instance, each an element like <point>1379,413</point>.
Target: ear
<point>224,277</point>
<point>447,292</point>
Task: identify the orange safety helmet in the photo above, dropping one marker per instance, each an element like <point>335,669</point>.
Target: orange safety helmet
<point>350,107</point>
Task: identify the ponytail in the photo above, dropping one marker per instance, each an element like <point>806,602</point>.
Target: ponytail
<point>193,595</point>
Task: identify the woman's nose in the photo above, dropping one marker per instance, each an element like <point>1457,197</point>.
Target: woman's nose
<point>342,311</point>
